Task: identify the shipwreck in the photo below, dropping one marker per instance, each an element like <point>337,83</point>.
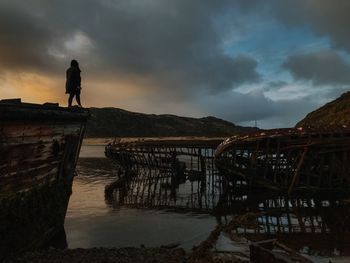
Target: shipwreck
<point>288,160</point>
<point>39,149</point>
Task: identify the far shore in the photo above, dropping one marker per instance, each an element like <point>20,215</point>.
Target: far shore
<point>97,141</point>
<point>105,141</point>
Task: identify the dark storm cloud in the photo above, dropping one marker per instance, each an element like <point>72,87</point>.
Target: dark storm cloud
<point>22,40</point>
<point>175,43</point>
<point>322,68</point>
<point>326,18</point>
<point>255,106</point>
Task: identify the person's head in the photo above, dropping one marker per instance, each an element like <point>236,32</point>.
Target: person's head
<point>74,63</point>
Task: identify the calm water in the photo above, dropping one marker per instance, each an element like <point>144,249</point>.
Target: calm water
<point>154,209</point>
<point>92,222</point>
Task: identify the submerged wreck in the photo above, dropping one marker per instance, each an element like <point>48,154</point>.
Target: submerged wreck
<point>39,149</point>
<point>188,174</point>
<point>282,160</point>
<point>288,160</point>
<point>175,153</point>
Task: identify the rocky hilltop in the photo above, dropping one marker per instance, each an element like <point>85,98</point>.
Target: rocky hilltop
<point>112,122</point>
<point>336,112</point>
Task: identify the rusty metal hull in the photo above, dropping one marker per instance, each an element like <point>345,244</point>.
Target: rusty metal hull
<point>288,159</point>
<point>39,148</point>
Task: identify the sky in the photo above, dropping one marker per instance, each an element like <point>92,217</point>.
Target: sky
<point>268,62</point>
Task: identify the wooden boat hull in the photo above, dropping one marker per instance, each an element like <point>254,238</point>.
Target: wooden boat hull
<point>30,220</point>
<point>288,160</point>
<point>39,148</point>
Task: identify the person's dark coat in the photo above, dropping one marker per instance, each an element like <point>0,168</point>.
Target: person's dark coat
<point>73,80</point>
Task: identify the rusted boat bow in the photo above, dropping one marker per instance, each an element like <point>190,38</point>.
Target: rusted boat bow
<point>288,159</point>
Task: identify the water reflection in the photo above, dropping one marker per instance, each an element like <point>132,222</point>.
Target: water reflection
<point>161,206</point>
<point>314,225</point>
<point>91,222</point>
<point>157,189</point>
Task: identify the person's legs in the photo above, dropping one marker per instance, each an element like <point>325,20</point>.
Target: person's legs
<point>77,97</point>
<point>70,99</point>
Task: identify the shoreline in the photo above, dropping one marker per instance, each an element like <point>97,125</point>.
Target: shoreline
<point>142,254</point>
<point>104,141</point>
<point>102,254</point>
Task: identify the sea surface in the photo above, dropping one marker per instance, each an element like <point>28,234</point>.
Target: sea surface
<point>154,209</point>
<point>91,221</point>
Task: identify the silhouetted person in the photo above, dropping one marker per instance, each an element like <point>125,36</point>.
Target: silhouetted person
<point>73,82</point>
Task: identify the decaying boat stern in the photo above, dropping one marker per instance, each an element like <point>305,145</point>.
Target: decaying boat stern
<point>288,160</point>
<point>39,149</point>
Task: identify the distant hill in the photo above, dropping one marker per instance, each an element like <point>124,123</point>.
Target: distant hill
<point>336,112</point>
<point>113,122</point>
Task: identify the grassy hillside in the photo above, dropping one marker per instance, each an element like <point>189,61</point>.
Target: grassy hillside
<point>111,122</point>
<point>336,112</point>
